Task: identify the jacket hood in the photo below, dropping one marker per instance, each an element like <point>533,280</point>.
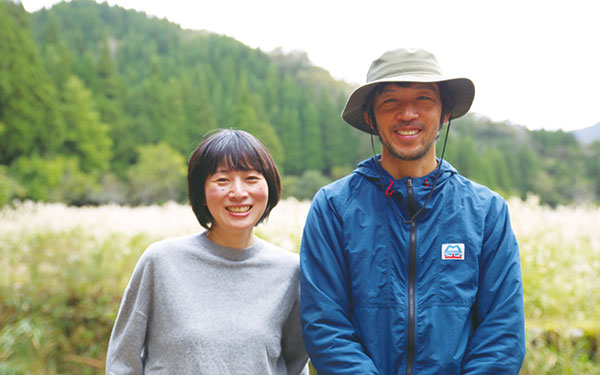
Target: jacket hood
<point>372,170</point>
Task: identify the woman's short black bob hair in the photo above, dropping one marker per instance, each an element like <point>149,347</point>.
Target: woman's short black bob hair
<point>235,150</point>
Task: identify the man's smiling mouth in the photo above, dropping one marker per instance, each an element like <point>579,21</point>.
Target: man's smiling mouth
<point>407,132</point>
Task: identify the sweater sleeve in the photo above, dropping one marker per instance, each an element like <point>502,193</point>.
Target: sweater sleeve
<point>292,344</point>
<point>498,342</point>
<point>331,340</point>
<point>126,345</point>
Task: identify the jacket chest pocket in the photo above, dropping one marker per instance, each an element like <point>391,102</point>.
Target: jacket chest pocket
<point>372,260</point>
<point>370,275</point>
<point>458,274</point>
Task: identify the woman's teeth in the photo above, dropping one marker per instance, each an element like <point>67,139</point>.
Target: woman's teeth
<point>238,209</point>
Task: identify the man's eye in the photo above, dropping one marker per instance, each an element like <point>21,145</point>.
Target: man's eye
<point>425,97</point>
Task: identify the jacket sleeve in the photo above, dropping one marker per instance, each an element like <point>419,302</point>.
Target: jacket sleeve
<point>329,335</point>
<point>498,342</point>
<point>127,340</point>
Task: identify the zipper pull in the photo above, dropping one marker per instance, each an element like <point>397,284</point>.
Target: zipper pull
<point>411,196</point>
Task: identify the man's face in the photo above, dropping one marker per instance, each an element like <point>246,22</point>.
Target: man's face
<point>408,119</point>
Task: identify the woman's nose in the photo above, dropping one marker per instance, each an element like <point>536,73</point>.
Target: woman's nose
<point>238,189</point>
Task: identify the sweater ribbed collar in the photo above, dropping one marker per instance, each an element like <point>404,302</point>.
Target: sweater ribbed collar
<point>230,253</point>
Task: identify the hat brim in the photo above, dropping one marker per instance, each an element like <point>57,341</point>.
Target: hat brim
<point>462,90</point>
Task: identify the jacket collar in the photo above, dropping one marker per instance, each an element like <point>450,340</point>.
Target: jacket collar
<point>397,190</point>
<point>372,170</point>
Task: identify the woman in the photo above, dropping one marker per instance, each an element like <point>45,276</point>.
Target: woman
<point>222,301</point>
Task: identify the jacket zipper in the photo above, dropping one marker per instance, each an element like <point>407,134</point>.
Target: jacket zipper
<point>411,279</point>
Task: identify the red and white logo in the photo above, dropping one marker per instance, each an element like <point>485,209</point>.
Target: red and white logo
<point>453,251</point>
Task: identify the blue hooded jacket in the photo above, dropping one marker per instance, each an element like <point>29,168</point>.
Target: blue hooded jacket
<point>381,294</point>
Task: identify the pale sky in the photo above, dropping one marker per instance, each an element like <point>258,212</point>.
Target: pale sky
<point>534,63</point>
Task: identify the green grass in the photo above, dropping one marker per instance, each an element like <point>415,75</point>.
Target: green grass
<point>59,298</point>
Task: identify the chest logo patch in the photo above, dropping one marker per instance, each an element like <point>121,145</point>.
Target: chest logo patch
<point>453,251</point>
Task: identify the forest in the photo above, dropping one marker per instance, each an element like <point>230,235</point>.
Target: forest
<point>99,104</point>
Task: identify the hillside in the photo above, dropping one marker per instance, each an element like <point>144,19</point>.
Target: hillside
<point>589,134</point>
<point>101,104</point>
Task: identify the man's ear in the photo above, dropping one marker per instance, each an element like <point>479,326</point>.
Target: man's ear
<point>446,117</point>
<point>368,120</point>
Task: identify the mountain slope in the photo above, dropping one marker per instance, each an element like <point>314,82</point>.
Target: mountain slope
<point>589,134</point>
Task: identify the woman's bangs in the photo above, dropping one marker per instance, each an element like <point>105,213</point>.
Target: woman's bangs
<point>240,156</point>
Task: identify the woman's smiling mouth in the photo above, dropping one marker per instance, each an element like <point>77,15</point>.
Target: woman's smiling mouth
<point>239,209</point>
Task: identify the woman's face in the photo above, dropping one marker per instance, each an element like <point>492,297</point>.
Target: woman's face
<point>236,200</point>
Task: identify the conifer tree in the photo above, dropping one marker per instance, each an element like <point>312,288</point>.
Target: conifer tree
<point>29,120</point>
<point>86,136</point>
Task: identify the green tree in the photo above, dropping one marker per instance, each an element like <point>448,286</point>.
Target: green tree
<point>56,179</point>
<point>312,138</point>
<point>9,188</point>
<point>29,120</point>
<point>305,186</point>
<point>56,56</point>
<point>199,111</point>
<point>246,117</point>
<point>466,159</point>
<point>528,169</point>
<point>493,171</point>
<point>593,168</point>
<point>158,176</point>
<point>333,132</point>
<point>86,136</point>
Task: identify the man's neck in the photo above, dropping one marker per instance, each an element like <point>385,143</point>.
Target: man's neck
<point>404,168</point>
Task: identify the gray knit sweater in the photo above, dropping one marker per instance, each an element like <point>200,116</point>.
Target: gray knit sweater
<point>195,307</point>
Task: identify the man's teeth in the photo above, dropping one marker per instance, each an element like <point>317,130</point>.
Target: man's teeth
<point>407,132</point>
<point>239,209</point>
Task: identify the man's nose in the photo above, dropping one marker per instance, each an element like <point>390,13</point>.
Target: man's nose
<point>407,112</point>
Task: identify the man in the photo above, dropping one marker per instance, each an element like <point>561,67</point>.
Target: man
<point>408,267</point>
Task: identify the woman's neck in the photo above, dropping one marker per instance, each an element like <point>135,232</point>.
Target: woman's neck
<point>230,239</point>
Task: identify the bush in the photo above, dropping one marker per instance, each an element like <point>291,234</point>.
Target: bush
<point>158,176</point>
<point>9,188</point>
<point>305,186</point>
<point>57,179</point>
<point>112,190</point>
<point>60,294</point>
<point>566,351</point>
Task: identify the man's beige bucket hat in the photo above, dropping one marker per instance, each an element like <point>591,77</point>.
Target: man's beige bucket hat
<point>406,65</point>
